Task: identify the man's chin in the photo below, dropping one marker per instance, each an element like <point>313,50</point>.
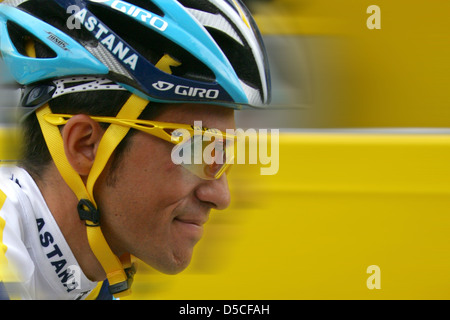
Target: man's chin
<point>172,266</point>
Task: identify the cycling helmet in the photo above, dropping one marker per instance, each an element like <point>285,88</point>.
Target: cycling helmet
<point>165,51</point>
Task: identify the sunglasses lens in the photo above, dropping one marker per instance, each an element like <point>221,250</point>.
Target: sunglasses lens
<point>206,159</point>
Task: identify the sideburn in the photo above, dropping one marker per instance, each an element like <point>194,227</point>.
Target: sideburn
<point>117,158</point>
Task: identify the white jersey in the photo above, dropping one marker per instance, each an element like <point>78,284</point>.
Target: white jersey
<point>35,260</point>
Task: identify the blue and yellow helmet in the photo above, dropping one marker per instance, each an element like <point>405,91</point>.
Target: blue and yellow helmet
<point>167,51</point>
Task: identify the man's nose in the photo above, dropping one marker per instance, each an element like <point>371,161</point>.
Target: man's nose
<point>215,192</point>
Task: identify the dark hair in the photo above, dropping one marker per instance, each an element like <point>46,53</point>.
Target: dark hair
<point>35,153</point>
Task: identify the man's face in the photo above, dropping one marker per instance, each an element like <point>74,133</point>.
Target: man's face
<point>155,209</point>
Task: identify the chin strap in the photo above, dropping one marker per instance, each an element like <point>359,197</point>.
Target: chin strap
<point>118,271</point>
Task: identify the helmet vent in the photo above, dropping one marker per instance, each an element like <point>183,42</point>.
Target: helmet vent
<point>27,44</point>
<point>239,56</point>
<point>204,6</point>
<point>218,22</point>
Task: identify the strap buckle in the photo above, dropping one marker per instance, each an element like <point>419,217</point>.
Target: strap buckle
<point>124,286</point>
<point>88,212</point>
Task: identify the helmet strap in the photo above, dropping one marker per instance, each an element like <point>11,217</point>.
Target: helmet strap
<point>118,274</point>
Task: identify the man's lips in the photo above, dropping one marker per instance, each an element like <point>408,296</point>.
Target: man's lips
<point>191,220</point>
<point>189,227</point>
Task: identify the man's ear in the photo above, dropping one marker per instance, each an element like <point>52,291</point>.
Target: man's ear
<point>81,136</point>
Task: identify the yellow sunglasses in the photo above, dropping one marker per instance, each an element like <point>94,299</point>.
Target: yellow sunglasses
<point>207,153</point>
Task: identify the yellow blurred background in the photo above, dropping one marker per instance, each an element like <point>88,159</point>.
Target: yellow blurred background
<point>364,163</point>
<point>347,75</point>
<point>339,204</point>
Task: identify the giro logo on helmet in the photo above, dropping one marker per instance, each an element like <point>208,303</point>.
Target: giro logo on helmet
<point>137,13</point>
<point>187,91</point>
<point>196,92</point>
<point>163,86</point>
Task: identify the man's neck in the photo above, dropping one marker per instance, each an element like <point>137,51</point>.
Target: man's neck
<point>62,203</point>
